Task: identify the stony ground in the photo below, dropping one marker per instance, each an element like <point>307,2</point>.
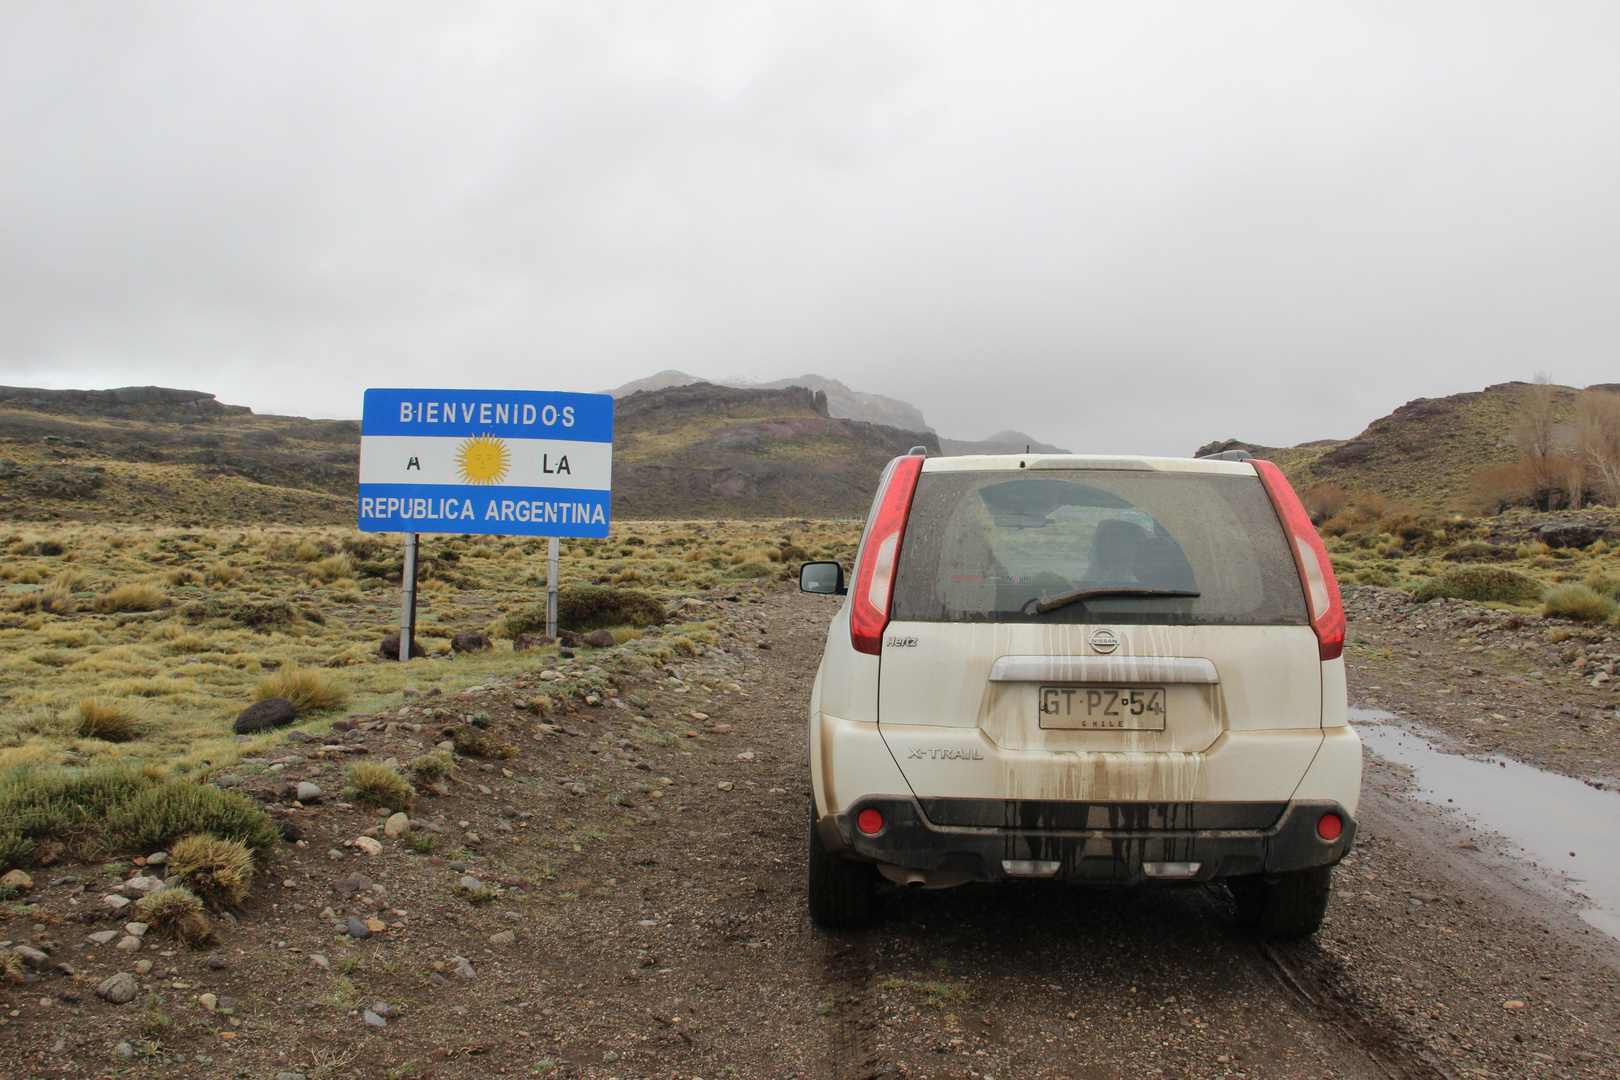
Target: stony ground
<point>624,898</point>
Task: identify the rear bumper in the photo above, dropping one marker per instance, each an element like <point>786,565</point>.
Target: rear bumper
<point>1090,843</point>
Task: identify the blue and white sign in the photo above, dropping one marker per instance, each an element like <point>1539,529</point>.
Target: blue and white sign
<point>512,462</point>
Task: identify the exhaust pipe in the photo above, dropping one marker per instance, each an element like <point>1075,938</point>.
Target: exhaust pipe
<point>916,879</point>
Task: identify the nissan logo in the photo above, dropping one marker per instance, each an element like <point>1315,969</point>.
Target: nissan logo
<point>1104,640</point>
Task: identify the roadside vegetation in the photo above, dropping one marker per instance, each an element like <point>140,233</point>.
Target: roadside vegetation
<point>131,643</point>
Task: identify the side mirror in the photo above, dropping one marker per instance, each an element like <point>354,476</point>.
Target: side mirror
<point>826,578</point>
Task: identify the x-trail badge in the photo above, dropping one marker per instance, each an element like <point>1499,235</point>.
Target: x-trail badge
<point>1104,640</point>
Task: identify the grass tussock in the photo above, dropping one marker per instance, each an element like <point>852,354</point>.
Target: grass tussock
<point>139,597</point>
<point>106,719</point>
<point>431,768</point>
<point>177,913</point>
<point>372,784</point>
<point>1481,584</point>
<point>220,872</point>
<point>1578,602</point>
<point>475,743</point>
<point>309,691</point>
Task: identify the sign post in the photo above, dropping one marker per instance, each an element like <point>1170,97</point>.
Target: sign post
<point>489,462</point>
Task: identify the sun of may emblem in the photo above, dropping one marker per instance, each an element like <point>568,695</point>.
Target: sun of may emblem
<point>483,459</point>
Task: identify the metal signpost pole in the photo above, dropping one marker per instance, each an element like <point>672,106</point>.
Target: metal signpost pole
<point>551,588</point>
<point>407,605</point>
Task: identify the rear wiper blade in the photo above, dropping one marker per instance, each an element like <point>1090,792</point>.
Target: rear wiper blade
<point>1042,605</point>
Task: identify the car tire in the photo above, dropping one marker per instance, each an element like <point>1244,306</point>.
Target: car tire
<point>1283,906</point>
<point>843,892</point>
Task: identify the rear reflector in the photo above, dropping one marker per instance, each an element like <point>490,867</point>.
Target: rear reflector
<point>1330,827</point>
<point>1311,559</point>
<point>880,554</point>
<point>869,821</point>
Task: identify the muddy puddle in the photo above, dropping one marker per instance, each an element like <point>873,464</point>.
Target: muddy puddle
<point>1559,824</point>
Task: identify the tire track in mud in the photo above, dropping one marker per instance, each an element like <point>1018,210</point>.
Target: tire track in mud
<point>847,970</point>
<point>1318,984</point>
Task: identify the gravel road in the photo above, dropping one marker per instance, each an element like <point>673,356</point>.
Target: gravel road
<point>658,928</point>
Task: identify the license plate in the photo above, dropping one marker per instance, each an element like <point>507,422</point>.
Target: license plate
<point>1103,708</point>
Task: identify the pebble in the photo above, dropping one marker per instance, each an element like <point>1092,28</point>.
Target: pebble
<point>116,902</point>
<point>356,929</point>
<point>141,885</point>
<point>368,844</point>
<point>348,886</point>
<point>504,937</point>
<point>129,944</point>
<point>214,962</point>
<point>396,826</point>
<point>157,858</point>
<point>209,1002</point>
<point>102,937</point>
<point>143,967</point>
<point>373,1020</point>
<point>320,961</point>
<point>118,989</point>
<point>463,969</point>
<point>308,793</point>
<point>471,884</point>
<point>32,957</point>
<point>725,785</point>
<point>439,980</point>
<point>384,1010</point>
<point>135,929</point>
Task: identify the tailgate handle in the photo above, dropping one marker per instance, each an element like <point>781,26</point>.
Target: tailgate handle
<point>1104,669</point>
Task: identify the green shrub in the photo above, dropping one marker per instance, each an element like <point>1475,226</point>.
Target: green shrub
<point>1577,602</point>
<point>220,872</point>
<point>372,784</point>
<point>431,768</point>
<point>15,850</point>
<point>750,570</point>
<point>475,743</point>
<point>1476,551</point>
<point>1482,584</point>
<point>167,811</point>
<point>583,608</point>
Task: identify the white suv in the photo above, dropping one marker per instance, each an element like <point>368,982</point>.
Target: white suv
<point>1103,671</point>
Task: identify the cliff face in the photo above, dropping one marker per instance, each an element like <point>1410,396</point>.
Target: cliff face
<point>127,402</point>
<point>714,451</point>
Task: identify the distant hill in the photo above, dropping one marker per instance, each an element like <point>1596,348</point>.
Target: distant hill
<point>715,451</point>
<point>842,402</point>
<point>176,456</point>
<point>1422,454</point>
<point>1002,442</point>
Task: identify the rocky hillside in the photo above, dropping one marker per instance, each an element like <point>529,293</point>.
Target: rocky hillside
<point>842,402</point>
<point>715,451</point>
<point>1422,454</point>
<point>178,456</point>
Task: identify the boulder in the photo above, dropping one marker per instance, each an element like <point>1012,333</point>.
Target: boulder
<point>389,649</point>
<point>1568,535</point>
<point>471,641</point>
<point>524,642</point>
<point>263,715</point>
<point>599,639</point>
<point>308,793</point>
<point>396,826</point>
<point>16,879</point>
<point>569,639</point>
<point>118,989</point>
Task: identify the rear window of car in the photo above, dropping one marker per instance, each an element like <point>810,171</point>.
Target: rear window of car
<point>983,546</point>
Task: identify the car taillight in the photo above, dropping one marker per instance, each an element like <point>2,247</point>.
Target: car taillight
<point>874,576</point>
<point>1311,557</point>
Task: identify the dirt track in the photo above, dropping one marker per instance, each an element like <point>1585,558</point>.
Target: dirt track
<point>666,937</point>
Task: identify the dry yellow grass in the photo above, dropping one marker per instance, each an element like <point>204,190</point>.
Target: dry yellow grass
<point>106,719</point>
<point>139,597</point>
<point>372,784</point>
<point>309,691</point>
<point>177,913</point>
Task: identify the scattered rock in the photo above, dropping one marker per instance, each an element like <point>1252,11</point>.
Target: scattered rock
<point>599,639</point>
<point>384,1010</point>
<point>471,884</point>
<point>209,1002</point>
<point>18,880</point>
<point>128,943</point>
<point>226,782</point>
<point>32,957</point>
<point>504,937</point>
<point>357,929</point>
<point>299,737</point>
<point>389,649</point>
<point>135,929</point>
<point>214,962</point>
<point>462,969</point>
<point>263,715</point>
<point>308,793</point>
<point>471,641</point>
<point>569,639</point>
<point>141,885</point>
<point>396,826</point>
<point>368,844</point>
<point>157,858</point>
<point>439,980</point>
<point>373,1020</point>
<point>116,902</point>
<point>102,937</point>
<point>290,832</point>
<point>524,642</point>
<point>119,989</point>
<point>320,961</point>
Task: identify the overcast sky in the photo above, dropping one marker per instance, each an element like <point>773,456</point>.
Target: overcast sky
<point>1117,227</point>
